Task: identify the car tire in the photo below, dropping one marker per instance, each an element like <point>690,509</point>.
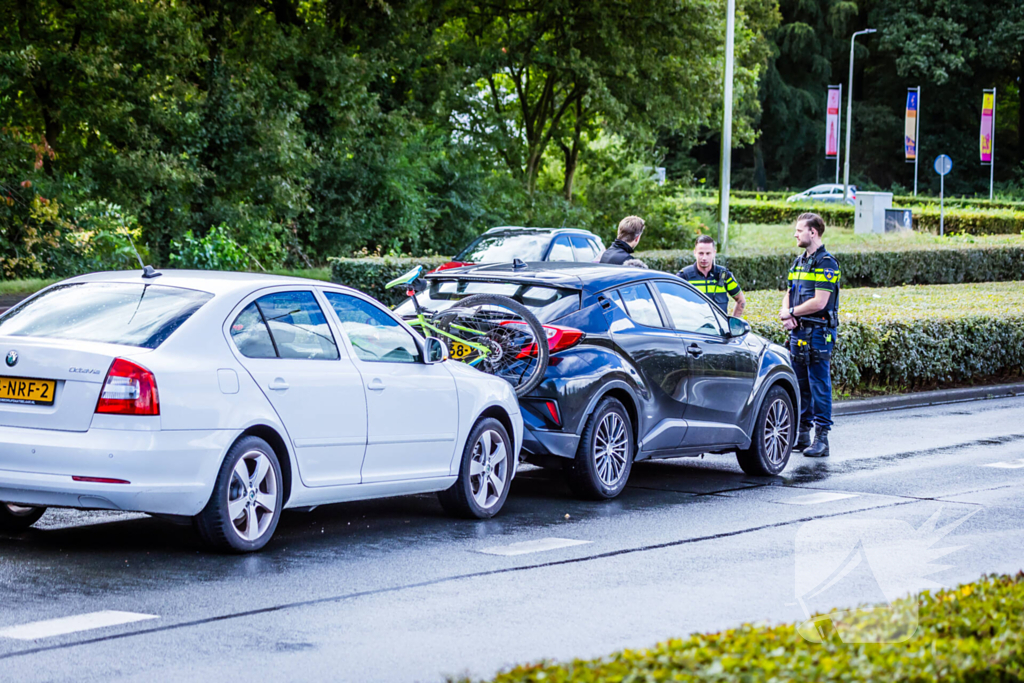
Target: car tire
<point>604,457</point>
<point>17,518</point>
<point>248,485</point>
<point>485,473</point>
<point>771,442</point>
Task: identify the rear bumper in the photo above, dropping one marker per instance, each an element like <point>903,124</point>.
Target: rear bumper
<point>545,442</point>
<point>169,472</point>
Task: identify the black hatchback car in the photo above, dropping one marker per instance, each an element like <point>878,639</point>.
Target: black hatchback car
<point>642,366</point>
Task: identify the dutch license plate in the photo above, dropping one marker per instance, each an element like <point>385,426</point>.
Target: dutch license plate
<point>458,350</point>
<point>25,390</point>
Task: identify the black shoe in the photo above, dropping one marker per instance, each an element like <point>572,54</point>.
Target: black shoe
<point>819,449</point>
<point>803,440</point>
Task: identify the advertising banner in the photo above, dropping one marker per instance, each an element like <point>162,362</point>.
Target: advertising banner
<point>987,120</point>
<point>910,127</point>
<point>832,123</point>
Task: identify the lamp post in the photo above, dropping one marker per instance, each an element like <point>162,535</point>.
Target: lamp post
<point>849,116</point>
<point>723,190</point>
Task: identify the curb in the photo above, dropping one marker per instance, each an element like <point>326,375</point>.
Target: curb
<point>927,398</point>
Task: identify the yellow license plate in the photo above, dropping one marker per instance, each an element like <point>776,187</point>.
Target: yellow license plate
<point>25,390</point>
<point>458,350</point>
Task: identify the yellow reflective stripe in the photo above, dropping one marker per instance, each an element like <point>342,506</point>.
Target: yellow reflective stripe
<point>813,277</point>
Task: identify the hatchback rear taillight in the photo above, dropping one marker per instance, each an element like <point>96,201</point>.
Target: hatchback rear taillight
<point>559,339</point>
<point>129,389</point>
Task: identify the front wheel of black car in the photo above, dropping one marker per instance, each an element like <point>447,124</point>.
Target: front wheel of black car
<point>772,440</point>
<point>605,454</point>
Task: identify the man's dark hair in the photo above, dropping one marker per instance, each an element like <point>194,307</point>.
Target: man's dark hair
<point>813,221</point>
<point>705,239</point>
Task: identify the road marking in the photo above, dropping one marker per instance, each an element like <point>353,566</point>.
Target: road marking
<point>538,546</point>
<point>818,498</point>
<point>65,625</point>
<point>1007,464</point>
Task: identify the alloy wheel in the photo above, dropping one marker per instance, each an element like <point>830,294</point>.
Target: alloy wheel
<point>252,495</point>
<point>488,469</point>
<point>611,449</point>
<point>777,427</point>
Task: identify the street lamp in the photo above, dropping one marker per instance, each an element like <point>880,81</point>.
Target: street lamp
<point>849,116</point>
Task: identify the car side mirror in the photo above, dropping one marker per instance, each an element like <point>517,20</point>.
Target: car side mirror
<point>738,327</point>
<point>434,350</point>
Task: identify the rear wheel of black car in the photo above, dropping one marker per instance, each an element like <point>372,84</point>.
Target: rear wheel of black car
<point>15,518</point>
<point>604,457</point>
<point>772,441</point>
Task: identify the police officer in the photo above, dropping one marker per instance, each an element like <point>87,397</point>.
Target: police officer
<point>810,311</point>
<point>630,229</point>
<point>715,281</point>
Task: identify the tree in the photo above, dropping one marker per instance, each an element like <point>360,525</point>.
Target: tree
<point>555,71</point>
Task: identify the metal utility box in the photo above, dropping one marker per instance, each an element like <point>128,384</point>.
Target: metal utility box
<point>870,212</point>
<point>898,219</point>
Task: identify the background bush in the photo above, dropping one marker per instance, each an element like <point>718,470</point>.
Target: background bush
<point>917,336</point>
<point>860,268</point>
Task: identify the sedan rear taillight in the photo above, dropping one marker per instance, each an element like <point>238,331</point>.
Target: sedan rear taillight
<point>129,389</point>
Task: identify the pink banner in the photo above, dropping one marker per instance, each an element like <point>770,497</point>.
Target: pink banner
<point>987,122</point>
<point>832,123</point>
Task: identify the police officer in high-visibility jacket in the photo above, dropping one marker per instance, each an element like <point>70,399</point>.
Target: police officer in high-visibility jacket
<point>714,280</point>
<point>810,311</point>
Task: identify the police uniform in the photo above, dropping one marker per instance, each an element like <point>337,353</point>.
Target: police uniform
<point>718,284</point>
<point>812,342</point>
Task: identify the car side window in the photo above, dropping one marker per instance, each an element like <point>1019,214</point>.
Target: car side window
<point>560,250</point>
<point>583,249</point>
<point>298,326</point>
<point>375,335</point>
<point>640,305</point>
<point>688,311</point>
<point>250,334</point>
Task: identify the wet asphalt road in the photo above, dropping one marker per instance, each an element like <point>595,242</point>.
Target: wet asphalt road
<point>395,590</point>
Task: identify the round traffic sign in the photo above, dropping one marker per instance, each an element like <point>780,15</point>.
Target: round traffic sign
<point>943,164</point>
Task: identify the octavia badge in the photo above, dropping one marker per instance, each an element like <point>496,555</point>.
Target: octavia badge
<point>12,358</point>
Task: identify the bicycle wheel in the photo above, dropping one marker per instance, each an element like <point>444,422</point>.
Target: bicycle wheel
<point>510,342</point>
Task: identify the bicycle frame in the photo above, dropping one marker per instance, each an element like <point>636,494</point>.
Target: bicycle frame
<point>426,327</point>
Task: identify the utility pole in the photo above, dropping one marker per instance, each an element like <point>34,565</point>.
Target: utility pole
<point>849,116</point>
<point>723,191</point>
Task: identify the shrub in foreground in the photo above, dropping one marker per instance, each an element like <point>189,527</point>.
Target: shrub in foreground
<point>974,632</point>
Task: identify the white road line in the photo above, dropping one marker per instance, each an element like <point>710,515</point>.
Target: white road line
<point>65,625</point>
<point>818,498</point>
<point>1007,465</point>
<point>538,546</point>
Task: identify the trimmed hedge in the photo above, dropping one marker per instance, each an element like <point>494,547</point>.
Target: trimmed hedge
<point>957,220</point>
<point>969,633</point>
<point>905,201</point>
<point>916,337</point>
<point>860,268</point>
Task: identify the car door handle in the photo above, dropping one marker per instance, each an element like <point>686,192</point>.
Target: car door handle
<point>376,384</point>
<point>278,384</point>
<point>695,350</point>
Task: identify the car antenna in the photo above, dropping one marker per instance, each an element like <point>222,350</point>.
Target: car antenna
<point>148,272</point>
<point>518,264</point>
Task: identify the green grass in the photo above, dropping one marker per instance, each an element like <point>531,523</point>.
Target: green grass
<point>23,286</point>
<point>750,239</point>
<point>8,287</point>
<point>912,302</point>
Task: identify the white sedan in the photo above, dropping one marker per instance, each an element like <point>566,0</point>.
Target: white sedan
<point>227,397</point>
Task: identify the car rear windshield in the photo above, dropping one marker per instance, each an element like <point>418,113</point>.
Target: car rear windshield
<point>140,315</point>
<point>546,302</point>
<point>526,246</point>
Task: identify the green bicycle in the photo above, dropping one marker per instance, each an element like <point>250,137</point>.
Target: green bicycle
<point>491,332</point>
